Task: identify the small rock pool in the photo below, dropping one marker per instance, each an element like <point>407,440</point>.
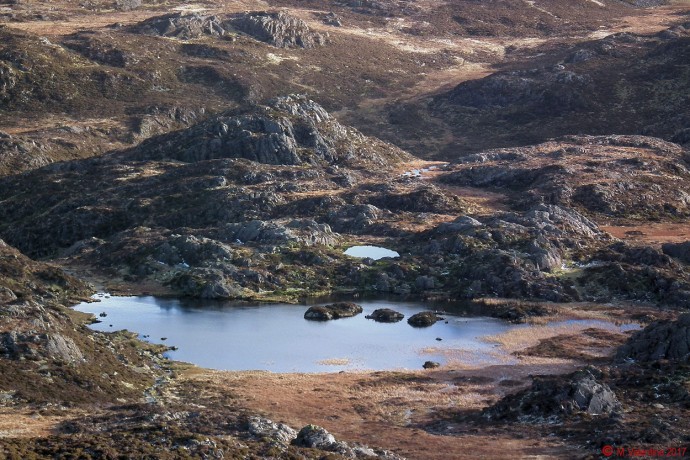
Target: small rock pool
<point>277,338</point>
<point>371,252</point>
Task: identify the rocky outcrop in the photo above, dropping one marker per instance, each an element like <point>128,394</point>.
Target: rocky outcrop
<point>182,26</point>
<point>278,29</point>
<point>331,19</point>
<point>37,334</point>
<point>552,398</point>
<point>662,340</point>
<point>509,255</point>
<point>275,28</point>
<point>63,348</point>
<point>585,91</point>
<point>613,175</point>
<point>426,198</point>
<point>158,120</point>
<point>424,319</point>
<point>333,311</point>
<point>316,437</point>
<point>127,5</point>
<point>8,79</point>
<point>191,250</point>
<point>555,91</point>
<point>515,311</point>
<point>291,130</point>
<point>680,251</point>
<point>207,283</point>
<point>303,231</point>
<point>279,433</point>
<point>385,315</point>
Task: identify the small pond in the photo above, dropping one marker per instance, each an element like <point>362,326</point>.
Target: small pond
<point>276,337</point>
<point>372,252</point>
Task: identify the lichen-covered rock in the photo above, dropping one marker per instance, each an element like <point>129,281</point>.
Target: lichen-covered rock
<point>266,428</point>
<point>8,78</point>
<point>7,295</point>
<point>206,283</point>
<point>660,340</point>
<point>385,315</point>
<point>181,26</point>
<point>278,29</point>
<point>304,231</point>
<point>431,365</point>
<point>314,436</point>
<point>61,347</point>
<point>333,311</point>
<point>557,397</point>
<point>463,225</point>
<point>192,250</point>
<point>291,130</point>
<point>423,319</point>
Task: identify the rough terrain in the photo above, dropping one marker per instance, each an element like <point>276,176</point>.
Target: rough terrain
<point>530,156</point>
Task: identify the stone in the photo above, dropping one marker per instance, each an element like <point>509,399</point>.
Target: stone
<point>423,319</point>
<point>431,365</point>
<point>315,437</point>
<point>127,5</point>
<point>332,19</point>
<point>61,347</point>
<point>385,315</point>
<point>7,295</point>
<point>333,311</point>
<point>278,29</point>
<point>181,26</point>
<point>558,397</point>
<point>463,224</point>
<point>265,428</point>
<point>424,283</point>
<point>668,340</point>
<point>680,251</point>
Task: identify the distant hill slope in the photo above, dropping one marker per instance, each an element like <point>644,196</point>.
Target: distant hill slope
<point>622,84</point>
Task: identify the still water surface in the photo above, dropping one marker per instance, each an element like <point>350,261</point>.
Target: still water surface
<point>372,252</point>
<point>276,337</point>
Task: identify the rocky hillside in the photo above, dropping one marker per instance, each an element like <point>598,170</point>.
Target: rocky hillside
<point>191,207</point>
<point>47,353</point>
<point>105,393</point>
<point>290,130</point>
<point>623,84</point>
<point>625,177</point>
<point>234,150</point>
<point>261,204</point>
<point>117,72</point>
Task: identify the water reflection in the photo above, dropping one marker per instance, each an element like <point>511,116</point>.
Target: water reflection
<point>276,337</point>
<point>371,252</point>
